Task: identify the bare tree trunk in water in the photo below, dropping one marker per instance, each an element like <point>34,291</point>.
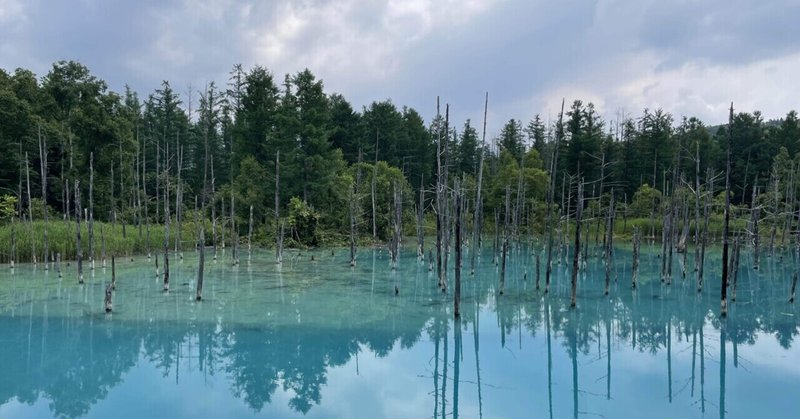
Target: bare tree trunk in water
<point>421,221</point>
<point>756,237</point>
<point>697,207</point>
<point>550,199</point>
<point>278,224</point>
<point>478,219</point>
<point>706,211</point>
<point>724,287</point>
<point>458,233</point>
<point>735,265</point>
<point>505,245</point>
<point>78,248</point>
<point>608,240</point>
<point>576,256</point>
<point>30,210</point>
<point>213,211</point>
<point>250,236</point>
<point>166,228</point>
<point>91,210</point>
<point>43,165</point>
<point>374,178</point>
<point>637,240</point>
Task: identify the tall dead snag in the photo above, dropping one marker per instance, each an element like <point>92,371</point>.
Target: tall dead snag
<point>637,241</point>
<point>458,233</point>
<point>550,198</point>
<point>355,208</point>
<point>794,283</point>
<point>250,236</point>
<point>374,180</point>
<point>278,224</point>
<point>609,240</point>
<point>102,246</point>
<point>756,213</point>
<point>13,255</point>
<point>735,265</point>
<point>447,222</point>
<point>90,224</point>
<point>421,221</point>
<point>725,224</point>
<point>166,229</point>
<point>146,198</point>
<point>30,210</point>
<point>575,258</point>
<point>202,242</point>
<point>113,273</point>
<point>235,233</point>
<point>704,241</point>
<point>395,241</point>
<point>684,240</point>
<point>439,201</point>
<point>477,227</point>
<point>697,207</point>
<point>78,248</point>
<point>504,249</point>
<point>178,200</point>
<point>43,172</point>
<point>213,211</point>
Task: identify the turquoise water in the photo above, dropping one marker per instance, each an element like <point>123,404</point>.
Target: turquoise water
<point>319,339</point>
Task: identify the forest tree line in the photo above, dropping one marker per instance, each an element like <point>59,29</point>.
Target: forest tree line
<point>297,153</point>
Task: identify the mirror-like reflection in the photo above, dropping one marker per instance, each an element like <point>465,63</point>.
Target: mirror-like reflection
<point>319,339</point>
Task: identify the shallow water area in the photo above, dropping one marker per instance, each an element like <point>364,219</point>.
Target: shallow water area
<point>317,338</point>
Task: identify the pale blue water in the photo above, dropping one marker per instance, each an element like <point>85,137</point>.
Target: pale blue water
<point>317,339</point>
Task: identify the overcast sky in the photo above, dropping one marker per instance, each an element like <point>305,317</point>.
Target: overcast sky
<point>690,57</point>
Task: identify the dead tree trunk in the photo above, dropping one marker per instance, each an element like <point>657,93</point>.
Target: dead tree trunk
<point>706,211</point>
<point>43,165</point>
<point>202,241</point>
<point>726,221</point>
<point>421,221</point>
<point>250,236</point>
<point>550,199</point>
<point>458,233</point>
<point>354,210</point>
<point>222,222</point>
<point>278,224</point>
<point>697,207</point>
<point>477,237</point>
<point>505,244</point>
<point>575,258</point>
<point>234,233</point>
<point>439,202</point>
<point>756,213</point>
<point>637,241</point>
<point>90,224</point>
<point>178,201</point>
<point>13,255</point>
<point>397,219</point>
<point>609,240</point>
<point>166,228</point>
<point>30,210</point>
<point>213,210</point>
<point>78,248</point>
<point>374,179</point>
<point>735,265</point>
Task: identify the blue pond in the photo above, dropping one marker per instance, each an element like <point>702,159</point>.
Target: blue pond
<point>320,339</point>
